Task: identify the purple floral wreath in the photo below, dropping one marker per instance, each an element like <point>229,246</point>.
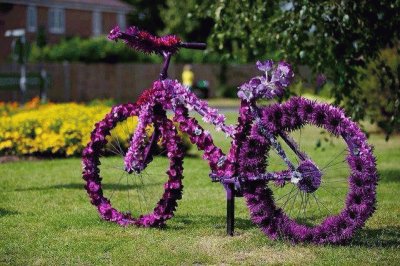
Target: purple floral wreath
<point>361,199</point>
<point>173,187</point>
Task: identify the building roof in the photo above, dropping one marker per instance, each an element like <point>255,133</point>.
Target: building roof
<point>98,5</point>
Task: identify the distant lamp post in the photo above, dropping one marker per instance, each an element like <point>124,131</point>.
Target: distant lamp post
<point>20,52</point>
<point>41,42</point>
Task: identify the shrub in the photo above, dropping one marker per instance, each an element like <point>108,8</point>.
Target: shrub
<point>100,49</point>
<point>92,50</point>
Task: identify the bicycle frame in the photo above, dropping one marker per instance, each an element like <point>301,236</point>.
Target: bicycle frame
<point>225,169</point>
<point>255,116</point>
<point>254,112</point>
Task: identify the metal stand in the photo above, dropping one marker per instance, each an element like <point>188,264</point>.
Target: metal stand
<point>230,209</point>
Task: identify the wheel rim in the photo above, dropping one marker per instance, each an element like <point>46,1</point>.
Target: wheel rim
<point>359,203</point>
<point>106,141</point>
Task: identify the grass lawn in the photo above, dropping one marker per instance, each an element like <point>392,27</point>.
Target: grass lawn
<point>46,218</point>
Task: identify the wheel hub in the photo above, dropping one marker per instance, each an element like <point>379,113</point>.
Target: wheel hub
<point>310,176</point>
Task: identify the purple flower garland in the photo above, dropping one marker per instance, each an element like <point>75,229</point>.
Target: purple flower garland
<point>180,95</point>
<point>134,157</point>
<point>361,198</point>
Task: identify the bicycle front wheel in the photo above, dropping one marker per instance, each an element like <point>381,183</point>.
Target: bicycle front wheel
<point>148,198</point>
<point>338,191</point>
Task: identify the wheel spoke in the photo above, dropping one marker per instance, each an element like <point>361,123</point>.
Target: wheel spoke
<point>286,194</point>
<point>117,152</point>
<point>290,196</point>
<point>301,203</point>
<point>319,202</point>
<point>137,193</point>
<point>119,182</point>
<point>333,168</point>
<point>333,194</point>
<point>294,200</point>
<point>341,152</point>
<point>307,195</point>
<point>129,200</point>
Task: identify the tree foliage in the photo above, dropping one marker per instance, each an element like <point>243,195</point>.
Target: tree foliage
<point>180,18</point>
<point>146,14</point>
<point>336,38</point>
<point>378,81</point>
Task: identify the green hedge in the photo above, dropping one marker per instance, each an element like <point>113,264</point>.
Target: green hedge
<point>100,49</point>
<point>88,50</point>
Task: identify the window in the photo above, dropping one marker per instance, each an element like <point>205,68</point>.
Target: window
<point>31,18</point>
<point>121,21</point>
<point>56,20</point>
<point>96,23</point>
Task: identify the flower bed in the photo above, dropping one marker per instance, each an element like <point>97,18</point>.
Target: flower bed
<point>60,130</point>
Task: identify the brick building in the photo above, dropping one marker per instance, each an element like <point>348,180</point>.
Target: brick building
<point>60,18</point>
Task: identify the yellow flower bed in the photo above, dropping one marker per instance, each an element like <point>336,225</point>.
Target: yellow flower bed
<point>58,129</point>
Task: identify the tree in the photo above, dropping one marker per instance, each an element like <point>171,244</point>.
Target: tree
<point>336,38</point>
<point>146,14</point>
<point>179,18</point>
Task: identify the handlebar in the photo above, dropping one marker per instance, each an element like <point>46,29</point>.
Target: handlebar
<point>193,45</point>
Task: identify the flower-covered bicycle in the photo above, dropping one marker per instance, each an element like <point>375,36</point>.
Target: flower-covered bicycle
<point>299,201</point>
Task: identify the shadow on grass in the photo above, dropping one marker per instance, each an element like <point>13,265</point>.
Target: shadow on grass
<point>5,212</point>
<point>210,221</point>
<point>386,237</point>
<point>193,154</point>
<point>389,175</point>
<point>80,186</point>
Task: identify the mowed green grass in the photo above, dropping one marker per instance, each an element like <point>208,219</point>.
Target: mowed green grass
<point>46,218</point>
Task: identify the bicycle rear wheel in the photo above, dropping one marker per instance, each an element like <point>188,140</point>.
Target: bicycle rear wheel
<point>319,209</point>
<point>148,198</point>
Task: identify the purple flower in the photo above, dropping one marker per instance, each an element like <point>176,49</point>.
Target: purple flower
<point>132,30</point>
<point>245,92</point>
<point>115,33</point>
<point>254,82</point>
<point>267,86</point>
<point>265,66</point>
<point>283,74</point>
<point>92,187</point>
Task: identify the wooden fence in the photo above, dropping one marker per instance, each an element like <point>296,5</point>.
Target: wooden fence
<point>123,82</point>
